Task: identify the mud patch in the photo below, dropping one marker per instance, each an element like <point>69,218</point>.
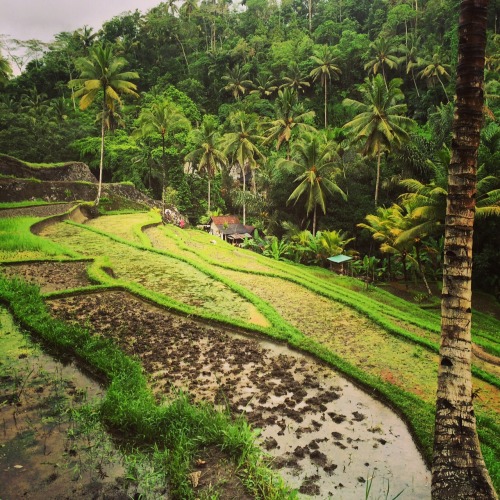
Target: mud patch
<point>51,276</point>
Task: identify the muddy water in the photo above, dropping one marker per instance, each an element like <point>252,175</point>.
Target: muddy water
<point>326,437</point>
<point>352,439</point>
<point>42,453</point>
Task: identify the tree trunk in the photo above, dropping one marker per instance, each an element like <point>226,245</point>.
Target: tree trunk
<point>164,168</point>
<point>244,196</point>
<point>101,161</point>
<point>314,221</point>
<point>326,100</point>
<point>209,195</point>
<point>310,15</point>
<point>420,268</point>
<point>444,89</point>
<point>377,182</point>
<point>458,469</point>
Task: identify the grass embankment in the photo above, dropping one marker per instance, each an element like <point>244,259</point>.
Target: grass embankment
<point>417,410</point>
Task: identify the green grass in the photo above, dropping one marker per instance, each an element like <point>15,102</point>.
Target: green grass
<point>27,203</point>
<point>18,243</point>
<point>35,165</point>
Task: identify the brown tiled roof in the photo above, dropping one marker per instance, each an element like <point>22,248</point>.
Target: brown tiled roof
<point>225,219</point>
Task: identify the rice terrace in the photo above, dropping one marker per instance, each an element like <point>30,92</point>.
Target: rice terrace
<point>220,371</point>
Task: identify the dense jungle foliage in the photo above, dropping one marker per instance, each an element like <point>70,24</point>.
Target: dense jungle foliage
<point>326,123</point>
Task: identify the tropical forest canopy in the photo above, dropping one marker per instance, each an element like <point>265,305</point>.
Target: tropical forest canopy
<point>324,123</point>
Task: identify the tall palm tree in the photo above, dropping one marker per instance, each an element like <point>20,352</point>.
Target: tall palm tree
<point>240,146</point>
<point>380,123</point>
<point>264,85</point>
<point>384,53</point>
<point>325,70</point>
<point>290,116</point>
<point>458,468</point>
<point>433,70</point>
<point>316,158</point>
<point>163,117</point>
<point>237,82</point>
<point>206,154</point>
<point>295,79</point>
<point>102,73</point>
<point>411,51</point>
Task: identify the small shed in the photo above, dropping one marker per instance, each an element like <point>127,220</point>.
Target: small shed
<point>337,262</point>
<point>230,229</point>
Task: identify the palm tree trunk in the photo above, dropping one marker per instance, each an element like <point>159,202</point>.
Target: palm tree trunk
<point>414,82</point>
<point>377,181</point>
<point>310,15</point>
<point>458,469</point>
<point>209,195</point>
<point>326,90</point>
<point>101,161</point>
<point>164,168</point>
<point>244,196</point>
<point>420,269</point>
<point>314,221</point>
<point>444,90</point>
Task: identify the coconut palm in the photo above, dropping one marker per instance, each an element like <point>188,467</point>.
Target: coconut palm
<point>435,69</point>
<point>315,157</point>
<point>101,73</point>
<point>264,85</point>
<point>295,79</point>
<point>206,154</point>
<point>240,146</point>
<point>162,118</point>
<point>325,70</point>
<point>384,53</point>
<point>380,123</point>
<point>290,116</point>
<point>237,82</point>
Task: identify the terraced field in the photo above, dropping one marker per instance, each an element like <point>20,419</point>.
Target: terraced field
<point>383,343</point>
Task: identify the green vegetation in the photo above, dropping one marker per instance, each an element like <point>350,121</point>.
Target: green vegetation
<point>17,242</point>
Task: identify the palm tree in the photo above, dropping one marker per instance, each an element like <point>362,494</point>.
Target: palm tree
<point>380,122</point>
<point>171,7</point>
<point>411,51</point>
<point>325,70</point>
<point>264,85</point>
<point>206,154</point>
<point>101,71</point>
<point>295,80</point>
<point>237,82</point>
<point>384,53</point>
<point>5,70</point>
<point>188,7</point>
<point>458,468</point>
<point>290,116</point>
<point>433,70</point>
<point>163,117</point>
<point>316,158</point>
<point>241,147</point>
